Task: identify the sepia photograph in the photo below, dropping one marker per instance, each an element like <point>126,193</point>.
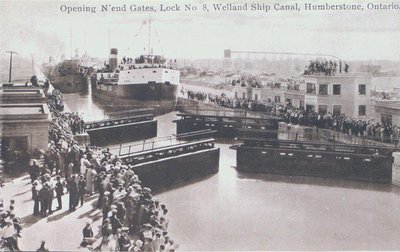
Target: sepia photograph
<point>199,125</point>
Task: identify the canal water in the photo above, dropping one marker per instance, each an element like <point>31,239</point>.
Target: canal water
<point>240,211</point>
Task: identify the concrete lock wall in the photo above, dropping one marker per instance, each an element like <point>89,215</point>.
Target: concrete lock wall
<point>187,167</point>
<point>396,169</point>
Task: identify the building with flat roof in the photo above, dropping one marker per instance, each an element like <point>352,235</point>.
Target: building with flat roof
<point>387,111</point>
<point>342,93</point>
<point>24,127</point>
<point>22,95</point>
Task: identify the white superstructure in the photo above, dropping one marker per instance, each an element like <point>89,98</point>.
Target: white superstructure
<point>143,70</point>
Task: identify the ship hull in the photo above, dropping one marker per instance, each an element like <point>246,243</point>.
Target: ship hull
<point>142,92</point>
<point>71,83</point>
<point>111,100</point>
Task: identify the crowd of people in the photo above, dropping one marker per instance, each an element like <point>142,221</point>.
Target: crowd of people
<point>293,84</point>
<point>384,132</point>
<point>274,84</point>
<point>324,66</point>
<point>234,103</point>
<point>10,228</point>
<point>247,81</point>
<point>57,99</point>
<point>79,171</point>
<point>65,120</point>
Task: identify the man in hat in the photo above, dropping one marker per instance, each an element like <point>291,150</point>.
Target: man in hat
<point>157,242</point>
<point>7,234</point>
<point>119,193</point>
<point>148,245</point>
<point>90,180</point>
<point>69,169</point>
<point>103,186</point>
<point>115,222</point>
<point>106,228</point>
<point>34,171</point>
<point>82,188</point>
<point>87,235</point>
<point>145,232</point>
<point>106,204</point>
<point>45,195</point>
<point>123,239</point>
<point>73,193</point>
<point>59,188</point>
<point>84,164</point>
<point>42,247</point>
<point>170,246</point>
<point>35,197</point>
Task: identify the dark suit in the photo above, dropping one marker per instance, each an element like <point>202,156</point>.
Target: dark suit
<point>73,194</point>
<point>59,192</point>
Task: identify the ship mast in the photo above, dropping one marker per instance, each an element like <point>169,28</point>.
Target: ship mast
<point>11,54</point>
<point>149,35</point>
<point>70,41</point>
<point>33,65</point>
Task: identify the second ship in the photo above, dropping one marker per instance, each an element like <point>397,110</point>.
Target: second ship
<point>148,77</point>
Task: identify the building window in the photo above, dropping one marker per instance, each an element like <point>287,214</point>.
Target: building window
<point>362,110</point>
<point>301,104</point>
<point>256,97</point>
<point>289,101</point>
<point>277,99</point>
<point>322,109</point>
<point>244,95</point>
<point>336,110</point>
<point>386,119</point>
<point>236,96</point>
<point>336,89</point>
<point>323,89</point>
<point>311,88</point>
<point>362,89</point>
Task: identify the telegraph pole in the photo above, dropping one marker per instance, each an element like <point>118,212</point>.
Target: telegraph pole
<point>11,53</point>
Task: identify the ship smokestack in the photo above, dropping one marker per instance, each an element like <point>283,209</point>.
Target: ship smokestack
<point>113,59</point>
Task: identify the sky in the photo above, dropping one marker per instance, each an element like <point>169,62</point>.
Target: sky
<point>40,29</point>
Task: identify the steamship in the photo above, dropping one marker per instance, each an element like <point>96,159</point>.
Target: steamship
<point>147,77</point>
<point>68,76</point>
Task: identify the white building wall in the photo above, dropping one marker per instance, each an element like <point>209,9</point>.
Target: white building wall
<point>349,98</point>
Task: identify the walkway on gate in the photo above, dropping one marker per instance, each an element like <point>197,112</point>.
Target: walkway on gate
<point>151,144</point>
<point>94,125</point>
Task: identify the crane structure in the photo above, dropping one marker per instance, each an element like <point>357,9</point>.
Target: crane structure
<point>256,58</point>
